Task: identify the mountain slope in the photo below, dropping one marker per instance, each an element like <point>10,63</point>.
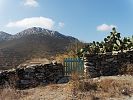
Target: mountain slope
<point>4,36</point>
<point>32,42</point>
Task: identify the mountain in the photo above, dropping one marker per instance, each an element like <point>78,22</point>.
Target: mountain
<point>4,36</point>
<point>32,42</point>
<point>42,32</point>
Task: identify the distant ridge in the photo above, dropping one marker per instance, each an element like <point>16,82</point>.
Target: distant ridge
<point>4,36</point>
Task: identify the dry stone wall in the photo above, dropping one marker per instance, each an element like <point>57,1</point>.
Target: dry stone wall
<point>98,65</point>
<point>109,64</point>
<point>33,75</point>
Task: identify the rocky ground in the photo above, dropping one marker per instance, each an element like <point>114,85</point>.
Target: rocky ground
<point>104,88</point>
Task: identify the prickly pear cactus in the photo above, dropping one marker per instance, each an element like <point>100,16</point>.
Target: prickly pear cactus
<point>111,43</point>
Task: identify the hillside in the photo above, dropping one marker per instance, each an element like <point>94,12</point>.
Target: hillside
<point>32,42</point>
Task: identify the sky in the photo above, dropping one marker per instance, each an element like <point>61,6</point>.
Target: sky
<point>87,20</point>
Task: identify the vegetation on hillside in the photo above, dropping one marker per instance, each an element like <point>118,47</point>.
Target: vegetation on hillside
<point>70,52</point>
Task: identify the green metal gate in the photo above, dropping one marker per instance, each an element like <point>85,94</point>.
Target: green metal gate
<point>73,65</point>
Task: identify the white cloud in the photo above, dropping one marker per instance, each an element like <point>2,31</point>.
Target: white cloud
<point>31,3</point>
<point>61,24</point>
<point>105,27</point>
<point>32,22</point>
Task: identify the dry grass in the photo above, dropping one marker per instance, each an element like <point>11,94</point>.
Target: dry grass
<point>80,88</point>
<point>104,88</point>
<point>60,57</point>
<point>126,69</point>
<point>101,88</point>
<point>129,69</point>
<point>8,93</point>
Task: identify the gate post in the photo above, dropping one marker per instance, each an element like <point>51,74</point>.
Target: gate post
<point>86,66</point>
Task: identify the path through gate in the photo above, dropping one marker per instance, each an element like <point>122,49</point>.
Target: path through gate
<point>73,65</point>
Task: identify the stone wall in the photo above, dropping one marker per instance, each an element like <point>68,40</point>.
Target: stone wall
<point>98,65</point>
<point>109,64</point>
<point>31,76</point>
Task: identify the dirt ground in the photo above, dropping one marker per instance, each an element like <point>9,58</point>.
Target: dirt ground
<point>67,92</point>
<point>103,88</point>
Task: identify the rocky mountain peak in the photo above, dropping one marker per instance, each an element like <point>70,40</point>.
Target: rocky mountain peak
<point>38,31</point>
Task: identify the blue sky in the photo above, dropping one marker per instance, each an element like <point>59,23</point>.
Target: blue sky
<point>86,20</point>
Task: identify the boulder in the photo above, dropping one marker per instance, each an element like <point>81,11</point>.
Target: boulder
<point>63,80</point>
